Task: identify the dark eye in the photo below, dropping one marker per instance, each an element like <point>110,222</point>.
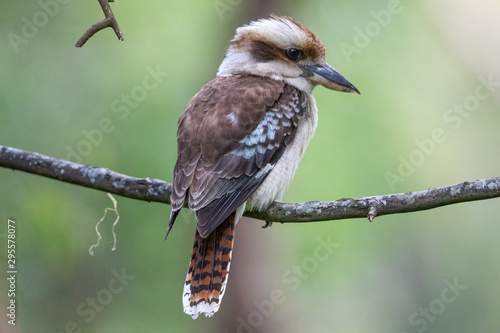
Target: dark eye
<point>293,53</point>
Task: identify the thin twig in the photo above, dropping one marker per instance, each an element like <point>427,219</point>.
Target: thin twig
<point>159,191</point>
<point>109,21</point>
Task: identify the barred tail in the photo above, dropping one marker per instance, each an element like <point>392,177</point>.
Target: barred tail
<point>208,271</point>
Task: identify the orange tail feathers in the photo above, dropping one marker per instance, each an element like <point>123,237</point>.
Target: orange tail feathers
<point>208,271</point>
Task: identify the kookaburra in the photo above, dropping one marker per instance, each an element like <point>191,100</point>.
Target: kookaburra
<point>240,140</point>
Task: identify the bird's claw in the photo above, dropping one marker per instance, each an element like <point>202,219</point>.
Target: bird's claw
<point>268,224</point>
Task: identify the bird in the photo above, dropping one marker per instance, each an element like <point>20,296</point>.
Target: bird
<point>240,140</point>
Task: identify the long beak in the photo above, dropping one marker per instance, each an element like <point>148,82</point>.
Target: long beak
<point>328,77</point>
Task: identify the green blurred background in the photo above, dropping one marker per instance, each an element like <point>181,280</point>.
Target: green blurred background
<point>415,63</point>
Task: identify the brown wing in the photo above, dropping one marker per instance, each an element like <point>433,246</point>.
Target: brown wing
<point>230,136</point>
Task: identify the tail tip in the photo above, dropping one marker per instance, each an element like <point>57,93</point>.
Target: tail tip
<point>208,309</point>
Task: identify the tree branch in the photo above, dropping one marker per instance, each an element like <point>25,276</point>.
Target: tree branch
<point>159,191</point>
<point>94,177</point>
<point>109,21</point>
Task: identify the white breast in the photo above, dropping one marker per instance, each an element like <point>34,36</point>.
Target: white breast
<point>273,188</point>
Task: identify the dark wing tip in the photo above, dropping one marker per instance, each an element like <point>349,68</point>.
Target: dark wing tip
<point>173,216</point>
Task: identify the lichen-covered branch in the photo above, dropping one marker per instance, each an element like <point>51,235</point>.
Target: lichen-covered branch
<point>159,191</point>
<point>109,21</point>
<point>85,175</point>
<point>374,206</point>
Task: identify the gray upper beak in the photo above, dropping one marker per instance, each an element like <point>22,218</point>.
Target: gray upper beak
<point>328,77</point>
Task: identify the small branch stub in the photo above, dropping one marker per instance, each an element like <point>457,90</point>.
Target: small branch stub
<point>109,21</point>
<point>372,213</point>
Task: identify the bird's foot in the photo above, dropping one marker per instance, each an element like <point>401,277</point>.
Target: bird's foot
<point>268,224</point>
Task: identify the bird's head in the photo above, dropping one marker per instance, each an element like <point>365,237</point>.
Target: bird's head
<point>282,49</point>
